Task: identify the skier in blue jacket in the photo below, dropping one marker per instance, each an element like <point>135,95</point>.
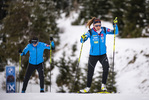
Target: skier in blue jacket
<point>36,50</point>
<point>97,37</point>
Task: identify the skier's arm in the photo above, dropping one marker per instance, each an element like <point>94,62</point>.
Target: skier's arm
<point>26,49</point>
<point>115,21</point>
<point>46,46</point>
<point>84,37</point>
<point>109,31</point>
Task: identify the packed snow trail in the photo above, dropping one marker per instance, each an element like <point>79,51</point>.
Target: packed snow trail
<point>71,96</point>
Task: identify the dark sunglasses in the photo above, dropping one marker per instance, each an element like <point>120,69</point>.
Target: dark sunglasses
<point>34,41</point>
<point>97,25</point>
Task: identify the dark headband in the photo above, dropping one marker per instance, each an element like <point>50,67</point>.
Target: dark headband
<point>96,21</point>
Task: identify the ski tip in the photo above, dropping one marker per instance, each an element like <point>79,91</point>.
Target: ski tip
<point>104,92</point>
<point>82,92</point>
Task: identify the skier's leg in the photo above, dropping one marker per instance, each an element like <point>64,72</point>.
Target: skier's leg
<point>105,64</point>
<point>91,65</point>
<point>40,70</point>
<point>28,74</point>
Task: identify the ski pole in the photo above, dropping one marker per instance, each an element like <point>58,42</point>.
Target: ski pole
<point>50,65</point>
<point>50,61</point>
<point>19,72</point>
<point>78,64</point>
<point>115,21</point>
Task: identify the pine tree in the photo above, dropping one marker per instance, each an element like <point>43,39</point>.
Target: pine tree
<point>134,18</point>
<point>94,8</point>
<point>77,73</point>
<point>118,8</point>
<point>3,11</point>
<point>66,6</point>
<point>66,79</point>
<point>47,70</point>
<point>63,79</point>
<point>146,20</point>
<point>83,78</point>
<point>74,48</point>
<point>131,18</point>
<point>111,81</point>
<point>76,83</point>
<point>111,78</point>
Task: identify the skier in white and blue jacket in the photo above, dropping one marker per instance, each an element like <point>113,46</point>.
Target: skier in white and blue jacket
<point>97,37</point>
<point>36,50</point>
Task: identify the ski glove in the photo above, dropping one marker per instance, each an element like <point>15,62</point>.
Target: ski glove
<point>51,38</point>
<point>52,45</point>
<point>83,37</point>
<point>115,21</point>
<point>20,51</point>
<point>53,48</point>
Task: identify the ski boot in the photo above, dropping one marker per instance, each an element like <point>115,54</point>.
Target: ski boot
<point>23,91</point>
<point>41,90</point>
<point>85,90</point>
<point>103,87</point>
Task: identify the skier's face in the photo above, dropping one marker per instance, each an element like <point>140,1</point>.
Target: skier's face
<point>35,44</point>
<point>97,26</point>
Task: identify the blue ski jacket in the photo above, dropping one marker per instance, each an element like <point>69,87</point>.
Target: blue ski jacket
<point>98,41</point>
<point>36,53</point>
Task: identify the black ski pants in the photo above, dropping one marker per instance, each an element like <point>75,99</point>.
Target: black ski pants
<point>91,66</point>
<point>31,68</point>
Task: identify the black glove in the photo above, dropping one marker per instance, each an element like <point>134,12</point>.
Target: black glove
<point>53,48</point>
<point>20,51</point>
<point>51,38</point>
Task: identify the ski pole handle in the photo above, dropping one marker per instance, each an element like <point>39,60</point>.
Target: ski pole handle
<point>115,21</point>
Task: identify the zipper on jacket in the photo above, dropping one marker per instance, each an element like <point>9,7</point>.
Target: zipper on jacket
<point>36,55</point>
<point>99,44</point>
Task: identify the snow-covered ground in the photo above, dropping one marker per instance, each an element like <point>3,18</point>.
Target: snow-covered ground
<point>68,96</point>
<point>131,65</point>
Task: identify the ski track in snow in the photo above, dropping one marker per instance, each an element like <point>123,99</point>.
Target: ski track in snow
<point>71,96</point>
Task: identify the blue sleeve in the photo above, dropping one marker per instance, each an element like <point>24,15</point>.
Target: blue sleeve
<point>46,46</point>
<point>87,36</point>
<point>109,31</point>
<point>116,29</point>
<point>26,49</point>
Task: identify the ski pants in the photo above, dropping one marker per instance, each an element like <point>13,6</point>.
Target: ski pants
<point>91,66</point>
<point>31,68</point>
